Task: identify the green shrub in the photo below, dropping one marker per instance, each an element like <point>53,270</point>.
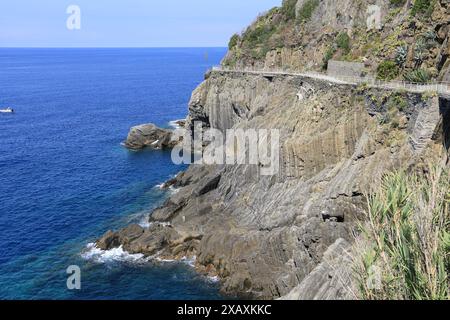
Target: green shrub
<point>399,102</point>
<point>406,238</point>
<point>230,62</point>
<point>398,3</point>
<point>343,42</point>
<point>258,35</point>
<point>328,56</point>
<point>288,9</point>
<point>259,53</point>
<point>422,7</point>
<point>418,76</point>
<point>306,11</point>
<point>233,41</point>
<point>387,70</point>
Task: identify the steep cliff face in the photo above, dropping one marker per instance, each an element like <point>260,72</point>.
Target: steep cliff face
<point>266,235</point>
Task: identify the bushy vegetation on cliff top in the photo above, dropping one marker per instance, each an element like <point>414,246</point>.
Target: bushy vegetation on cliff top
<point>409,40</point>
<point>271,30</point>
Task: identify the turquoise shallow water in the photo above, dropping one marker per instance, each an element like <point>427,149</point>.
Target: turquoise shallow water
<point>65,179</point>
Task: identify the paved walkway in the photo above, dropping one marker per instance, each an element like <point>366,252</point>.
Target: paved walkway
<point>442,88</point>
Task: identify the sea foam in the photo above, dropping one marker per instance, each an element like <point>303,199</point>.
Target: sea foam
<point>171,190</point>
<point>93,253</point>
<point>174,124</point>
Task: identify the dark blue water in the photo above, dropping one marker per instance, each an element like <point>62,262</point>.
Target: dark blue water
<point>65,179</point>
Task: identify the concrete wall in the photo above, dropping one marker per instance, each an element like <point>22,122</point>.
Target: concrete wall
<point>344,68</point>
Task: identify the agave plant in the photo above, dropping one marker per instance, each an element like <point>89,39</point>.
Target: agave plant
<point>430,39</point>
<point>419,51</point>
<point>401,55</point>
<point>430,35</point>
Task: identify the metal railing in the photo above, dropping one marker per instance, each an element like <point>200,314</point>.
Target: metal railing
<point>441,87</point>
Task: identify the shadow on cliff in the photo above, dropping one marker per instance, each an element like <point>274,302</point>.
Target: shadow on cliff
<point>444,105</point>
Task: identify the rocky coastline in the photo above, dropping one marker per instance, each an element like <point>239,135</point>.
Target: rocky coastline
<point>289,235</point>
<point>267,236</point>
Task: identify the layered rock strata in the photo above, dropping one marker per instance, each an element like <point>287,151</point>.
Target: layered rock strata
<point>279,236</point>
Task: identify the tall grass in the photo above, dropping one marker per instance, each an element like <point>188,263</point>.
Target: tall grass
<point>406,239</point>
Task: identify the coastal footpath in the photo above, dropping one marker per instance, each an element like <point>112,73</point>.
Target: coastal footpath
<point>292,235</point>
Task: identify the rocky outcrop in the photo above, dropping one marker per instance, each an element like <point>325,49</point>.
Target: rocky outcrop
<point>266,235</point>
<point>149,135</point>
<point>114,239</point>
<point>135,239</point>
<point>425,127</point>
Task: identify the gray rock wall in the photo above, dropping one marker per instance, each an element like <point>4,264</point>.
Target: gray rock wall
<point>265,236</point>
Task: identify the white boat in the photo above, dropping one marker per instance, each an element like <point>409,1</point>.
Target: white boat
<point>7,110</point>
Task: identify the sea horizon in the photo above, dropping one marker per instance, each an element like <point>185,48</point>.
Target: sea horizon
<point>118,47</point>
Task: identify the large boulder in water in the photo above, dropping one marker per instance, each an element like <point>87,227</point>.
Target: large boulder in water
<point>149,135</point>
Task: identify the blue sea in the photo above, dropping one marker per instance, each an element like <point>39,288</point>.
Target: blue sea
<point>65,179</point>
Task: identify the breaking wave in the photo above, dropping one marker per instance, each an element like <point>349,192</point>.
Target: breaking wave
<point>174,124</point>
<point>93,253</point>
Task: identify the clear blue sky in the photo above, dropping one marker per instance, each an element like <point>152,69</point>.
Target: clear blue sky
<point>127,23</point>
